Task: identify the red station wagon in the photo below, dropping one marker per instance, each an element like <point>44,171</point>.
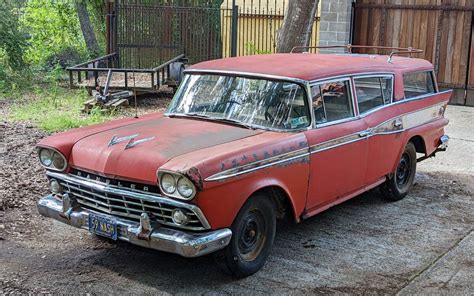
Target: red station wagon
<point>244,142</point>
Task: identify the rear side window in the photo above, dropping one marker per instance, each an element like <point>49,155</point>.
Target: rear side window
<point>373,92</point>
<point>332,101</point>
<point>418,84</point>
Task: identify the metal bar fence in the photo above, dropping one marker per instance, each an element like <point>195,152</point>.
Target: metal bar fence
<point>147,32</point>
<point>258,25</point>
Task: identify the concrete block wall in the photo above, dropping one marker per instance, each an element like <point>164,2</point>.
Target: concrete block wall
<point>335,23</point>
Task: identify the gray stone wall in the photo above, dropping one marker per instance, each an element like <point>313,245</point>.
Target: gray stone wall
<point>335,22</point>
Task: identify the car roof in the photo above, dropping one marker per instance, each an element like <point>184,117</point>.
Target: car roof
<point>310,66</point>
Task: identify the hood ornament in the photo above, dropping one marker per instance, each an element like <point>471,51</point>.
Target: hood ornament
<point>131,140</point>
<point>132,143</point>
<point>116,139</point>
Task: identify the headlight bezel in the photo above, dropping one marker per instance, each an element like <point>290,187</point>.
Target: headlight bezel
<point>177,177</point>
<point>53,152</point>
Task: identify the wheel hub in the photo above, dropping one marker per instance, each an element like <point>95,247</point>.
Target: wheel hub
<point>403,170</point>
<point>252,236</point>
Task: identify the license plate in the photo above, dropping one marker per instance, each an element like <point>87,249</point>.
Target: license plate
<point>102,226</point>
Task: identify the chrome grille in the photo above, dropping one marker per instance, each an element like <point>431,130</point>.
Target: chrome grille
<point>128,203</point>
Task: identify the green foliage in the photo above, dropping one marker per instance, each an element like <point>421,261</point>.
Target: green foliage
<point>251,48</point>
<point>56,109</point>
<point>53,27</point>
<point>12,39</point>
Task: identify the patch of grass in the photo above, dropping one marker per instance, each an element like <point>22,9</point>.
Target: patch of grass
<point>56,109</point>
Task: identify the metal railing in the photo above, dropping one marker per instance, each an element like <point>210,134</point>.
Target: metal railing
<point>349,47</point>
<point>109,64</point>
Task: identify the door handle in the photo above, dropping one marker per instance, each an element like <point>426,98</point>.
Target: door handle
<point>398,122</point>
<point>364,133</point>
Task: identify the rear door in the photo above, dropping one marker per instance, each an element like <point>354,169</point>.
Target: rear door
<point>374,95</point>
<point>338,144</point>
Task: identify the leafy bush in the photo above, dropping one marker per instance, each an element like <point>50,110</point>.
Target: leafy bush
<point>12,39</point>
<point>54,28</point>
<point>64,58</point>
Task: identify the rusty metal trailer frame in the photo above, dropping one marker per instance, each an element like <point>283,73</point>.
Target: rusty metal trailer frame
<point>159,75</point>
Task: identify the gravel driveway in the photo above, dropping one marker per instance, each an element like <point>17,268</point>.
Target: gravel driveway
<point>422,244</point>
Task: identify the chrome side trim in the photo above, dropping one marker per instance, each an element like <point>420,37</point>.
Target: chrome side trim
<point>338,142</point>
<point>184,243</point>
<point>120,191</point>
<point>393,125</point>
<point>257,165</point>
<point>408,120</point>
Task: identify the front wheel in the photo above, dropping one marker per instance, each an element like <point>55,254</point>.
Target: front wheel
<point>398,186</point>
<point>253,233</point>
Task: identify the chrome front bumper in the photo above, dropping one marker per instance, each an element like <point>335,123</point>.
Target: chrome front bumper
<point>187,244</point>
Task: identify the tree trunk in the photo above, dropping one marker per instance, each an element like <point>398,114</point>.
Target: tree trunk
<point>297,24</point>
<point>86,28</point>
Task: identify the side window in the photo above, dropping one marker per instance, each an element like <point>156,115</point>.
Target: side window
<point>417,84</point>
<point>373,92</point>
<point>332,101</point>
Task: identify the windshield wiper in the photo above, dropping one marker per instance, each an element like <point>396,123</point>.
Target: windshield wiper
<point>207,117</point>
<point>233,121</point>
<point>197,115</point>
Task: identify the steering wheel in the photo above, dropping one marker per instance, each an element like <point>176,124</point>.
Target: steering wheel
<point>231,102</point>
<point>268,116</point>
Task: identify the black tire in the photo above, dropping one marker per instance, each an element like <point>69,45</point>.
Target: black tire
<point>253,234</point>
<point>401,181</point>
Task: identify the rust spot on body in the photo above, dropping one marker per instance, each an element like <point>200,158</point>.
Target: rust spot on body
<point>195,176</point>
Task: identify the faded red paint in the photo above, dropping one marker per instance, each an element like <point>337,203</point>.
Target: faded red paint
<point>200,149</point>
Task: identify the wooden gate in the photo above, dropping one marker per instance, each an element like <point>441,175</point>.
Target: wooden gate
<point>444,29</point>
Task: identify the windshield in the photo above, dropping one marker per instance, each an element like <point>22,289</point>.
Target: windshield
<point>250,101</point>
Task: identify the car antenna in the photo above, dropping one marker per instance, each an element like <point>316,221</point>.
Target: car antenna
<point>135,95</point>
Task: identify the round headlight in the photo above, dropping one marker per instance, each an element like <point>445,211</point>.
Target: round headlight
<point>185,187</point>
<point>58,161</point>
<point>45,157</point>
<point>179,217</point>
<point>168,183</point>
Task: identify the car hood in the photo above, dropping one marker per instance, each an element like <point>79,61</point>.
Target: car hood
<point>137,150</point>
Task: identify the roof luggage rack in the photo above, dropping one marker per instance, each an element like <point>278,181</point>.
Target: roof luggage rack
<point>349,47</point>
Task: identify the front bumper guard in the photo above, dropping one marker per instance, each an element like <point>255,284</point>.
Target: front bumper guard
<point>186,244</point>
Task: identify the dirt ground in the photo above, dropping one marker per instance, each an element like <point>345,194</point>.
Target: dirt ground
<point>422,244</point>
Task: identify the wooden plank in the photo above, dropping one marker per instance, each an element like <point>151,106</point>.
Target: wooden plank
<point>443,48</point>
<point>397,17</point>
<point>448,74</point>
<point>470,82</point>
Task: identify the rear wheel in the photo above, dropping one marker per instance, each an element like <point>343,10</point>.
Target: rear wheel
<point>253,233</point>
<point>398,186</point>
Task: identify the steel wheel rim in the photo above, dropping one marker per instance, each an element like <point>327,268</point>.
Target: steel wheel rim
<point>403,170</point>
<point>252,235</point>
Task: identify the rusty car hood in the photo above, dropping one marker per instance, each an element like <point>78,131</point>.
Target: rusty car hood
<point>135,151</point>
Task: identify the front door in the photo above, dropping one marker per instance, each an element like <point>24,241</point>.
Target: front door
<point>338,144</point>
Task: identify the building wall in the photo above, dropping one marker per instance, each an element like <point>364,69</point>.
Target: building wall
<point>335,22</point>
